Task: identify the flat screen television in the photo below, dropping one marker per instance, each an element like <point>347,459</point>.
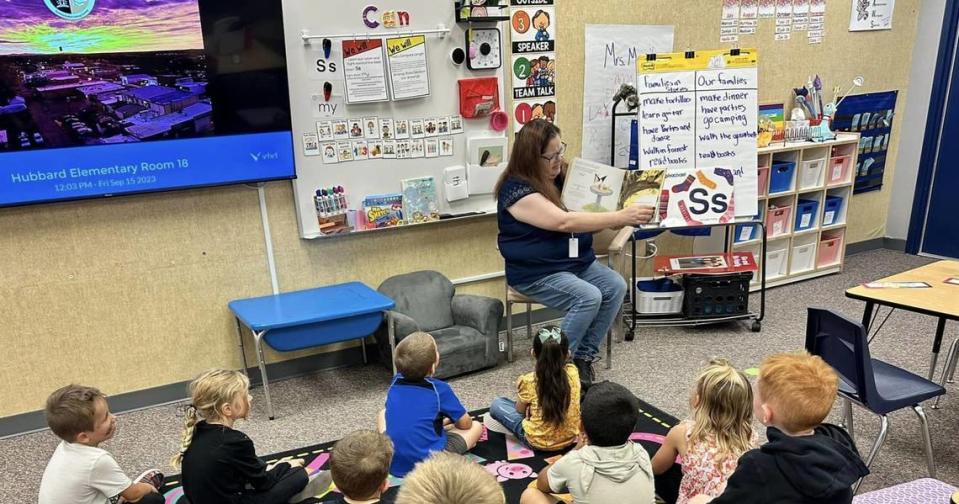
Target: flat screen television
<point>109,97</point>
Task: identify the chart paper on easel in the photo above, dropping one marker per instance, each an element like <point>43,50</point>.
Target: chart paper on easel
<point>701,113</point>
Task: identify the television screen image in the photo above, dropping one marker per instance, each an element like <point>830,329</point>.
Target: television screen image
<point>106,97</point>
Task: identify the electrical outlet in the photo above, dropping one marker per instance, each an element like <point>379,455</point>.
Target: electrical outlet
<point>502,346</point>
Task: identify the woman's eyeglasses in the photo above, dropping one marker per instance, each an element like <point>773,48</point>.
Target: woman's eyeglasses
<point>556,155</point>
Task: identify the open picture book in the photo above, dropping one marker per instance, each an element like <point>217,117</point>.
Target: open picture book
<point>595,187</point>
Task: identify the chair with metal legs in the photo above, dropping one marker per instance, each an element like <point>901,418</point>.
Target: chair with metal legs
<point>870,383</point>
<point>609,243</point>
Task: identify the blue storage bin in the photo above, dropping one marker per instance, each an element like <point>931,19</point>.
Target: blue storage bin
<point>747,232</point>
<point>830,211</point>
<point>781,176</point>
<point>806,214</point>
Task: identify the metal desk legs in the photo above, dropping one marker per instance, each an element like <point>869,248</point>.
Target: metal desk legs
<point>936,346</point>
<point>261,361</point>
<point>239,336</point>
<point>949,369</point>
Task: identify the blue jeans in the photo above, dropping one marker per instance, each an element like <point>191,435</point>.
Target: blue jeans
<point>591,301</point>
<point>503,410</point>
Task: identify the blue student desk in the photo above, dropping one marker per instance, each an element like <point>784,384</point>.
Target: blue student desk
<point>309,318</point>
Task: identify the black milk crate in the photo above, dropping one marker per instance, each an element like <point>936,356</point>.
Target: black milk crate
<point>711,296</point>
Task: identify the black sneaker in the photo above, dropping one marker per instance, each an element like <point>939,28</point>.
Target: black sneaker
<point>586,373</point>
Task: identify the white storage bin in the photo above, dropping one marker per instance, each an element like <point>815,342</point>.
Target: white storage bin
<point>776,263</point>
<point>810,173</point>
<point>658,296</point>
<point>803,258</point>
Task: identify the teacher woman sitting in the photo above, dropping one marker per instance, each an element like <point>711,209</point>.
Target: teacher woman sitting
<point>549,250</point>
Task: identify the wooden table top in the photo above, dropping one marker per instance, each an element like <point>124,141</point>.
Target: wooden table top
<point>942,300</point>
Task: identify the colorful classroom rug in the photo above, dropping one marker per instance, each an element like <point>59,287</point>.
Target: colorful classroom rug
<point>514,465</point>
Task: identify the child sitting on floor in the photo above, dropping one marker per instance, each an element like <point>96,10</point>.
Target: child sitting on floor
<point>546,417</point>
<point>220,463</point>
<point>718,433</point>
<point>805,460</point>
<point>79,472</point>
<point>360,464</point>
<point>605,467</point>
<point>422,414</point>
<point>447,478</point>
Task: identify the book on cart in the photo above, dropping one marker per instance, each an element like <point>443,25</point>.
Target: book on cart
<point>705,264</point>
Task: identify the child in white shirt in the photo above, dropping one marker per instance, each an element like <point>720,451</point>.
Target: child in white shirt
<point>79,471</point>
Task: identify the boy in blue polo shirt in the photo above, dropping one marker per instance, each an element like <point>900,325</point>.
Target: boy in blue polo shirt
<point>422,414</point>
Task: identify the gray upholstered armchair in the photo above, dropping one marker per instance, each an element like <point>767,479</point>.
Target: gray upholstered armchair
<point>466,327</point>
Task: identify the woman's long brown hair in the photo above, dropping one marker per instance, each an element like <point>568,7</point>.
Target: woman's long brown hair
<point>525,161</point>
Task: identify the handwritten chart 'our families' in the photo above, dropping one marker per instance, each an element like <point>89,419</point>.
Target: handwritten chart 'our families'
<point>364,71</point>
<point>701,112</point>
<point>611,55</point>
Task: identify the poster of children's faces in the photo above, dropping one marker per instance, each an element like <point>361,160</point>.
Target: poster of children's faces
<point>358,139</point>
<point>533,26</point>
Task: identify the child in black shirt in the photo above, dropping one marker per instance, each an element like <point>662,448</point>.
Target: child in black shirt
<point>220,464</point>
<point>805,460</point>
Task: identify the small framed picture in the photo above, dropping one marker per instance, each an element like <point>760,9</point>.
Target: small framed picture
<point>387,131</point>
<point>416,148</point>
<point>403,149</point>
<point>487,151</point>
<point>361,150</point>
<point>311,144</point>
<point>389,149</point>
<point>443,126</point>
<point>376,149</point>
<point>328,150</point>
<point>456,125</point>
<point>371,128</point>
<point>401,129</point>
<point>432,147</point>
<point>446,146</point>
<point>344,151</point>
<point>356,128</point>
<point>341,130</point>
<point>416,128</point>
<point>430,126</point>
<point>325,130</point>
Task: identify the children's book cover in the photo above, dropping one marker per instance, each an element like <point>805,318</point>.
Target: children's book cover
<point>383,210</point>
<point>420,200</point>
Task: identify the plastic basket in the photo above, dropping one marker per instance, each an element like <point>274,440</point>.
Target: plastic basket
<point>658,296</point>
<point>806,214</point>
<point>781,176</point>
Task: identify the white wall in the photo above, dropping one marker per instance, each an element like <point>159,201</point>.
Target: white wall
<point>913,116</point>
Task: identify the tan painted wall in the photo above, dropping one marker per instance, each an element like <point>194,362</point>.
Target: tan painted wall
<point>131,293</point>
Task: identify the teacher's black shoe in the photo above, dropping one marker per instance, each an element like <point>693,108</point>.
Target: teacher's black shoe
<point>586,374</point>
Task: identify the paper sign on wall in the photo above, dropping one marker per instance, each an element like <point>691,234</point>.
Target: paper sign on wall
<point>611,54</point>
<point>533,36</point>
<point>701,113</point>
<point>364,71</point>
<point>869,15</point>
<point>409,71</point>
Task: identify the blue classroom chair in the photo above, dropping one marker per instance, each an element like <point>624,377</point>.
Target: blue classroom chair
<point>871,383</point>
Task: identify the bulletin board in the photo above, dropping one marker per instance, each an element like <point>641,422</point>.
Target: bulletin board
<point>318,94</point>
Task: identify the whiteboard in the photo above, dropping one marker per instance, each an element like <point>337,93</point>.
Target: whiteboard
<point>308,104</point>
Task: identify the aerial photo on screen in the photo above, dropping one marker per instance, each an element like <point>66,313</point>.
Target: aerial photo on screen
<point>91,72</point>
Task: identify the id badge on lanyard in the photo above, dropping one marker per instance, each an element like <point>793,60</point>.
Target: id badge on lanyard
<point>573,246</point>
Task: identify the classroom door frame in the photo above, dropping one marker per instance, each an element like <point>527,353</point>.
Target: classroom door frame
<point>938,101</point>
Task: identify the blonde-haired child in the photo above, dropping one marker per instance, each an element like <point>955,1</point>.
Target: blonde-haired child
<point>448,478</point>
<point>717,434</point>
<point>219,463</point>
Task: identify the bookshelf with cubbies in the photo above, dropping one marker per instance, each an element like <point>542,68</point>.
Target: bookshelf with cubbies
<point>805,189</point>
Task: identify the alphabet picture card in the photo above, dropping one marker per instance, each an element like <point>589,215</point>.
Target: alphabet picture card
<point>697,196</point>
